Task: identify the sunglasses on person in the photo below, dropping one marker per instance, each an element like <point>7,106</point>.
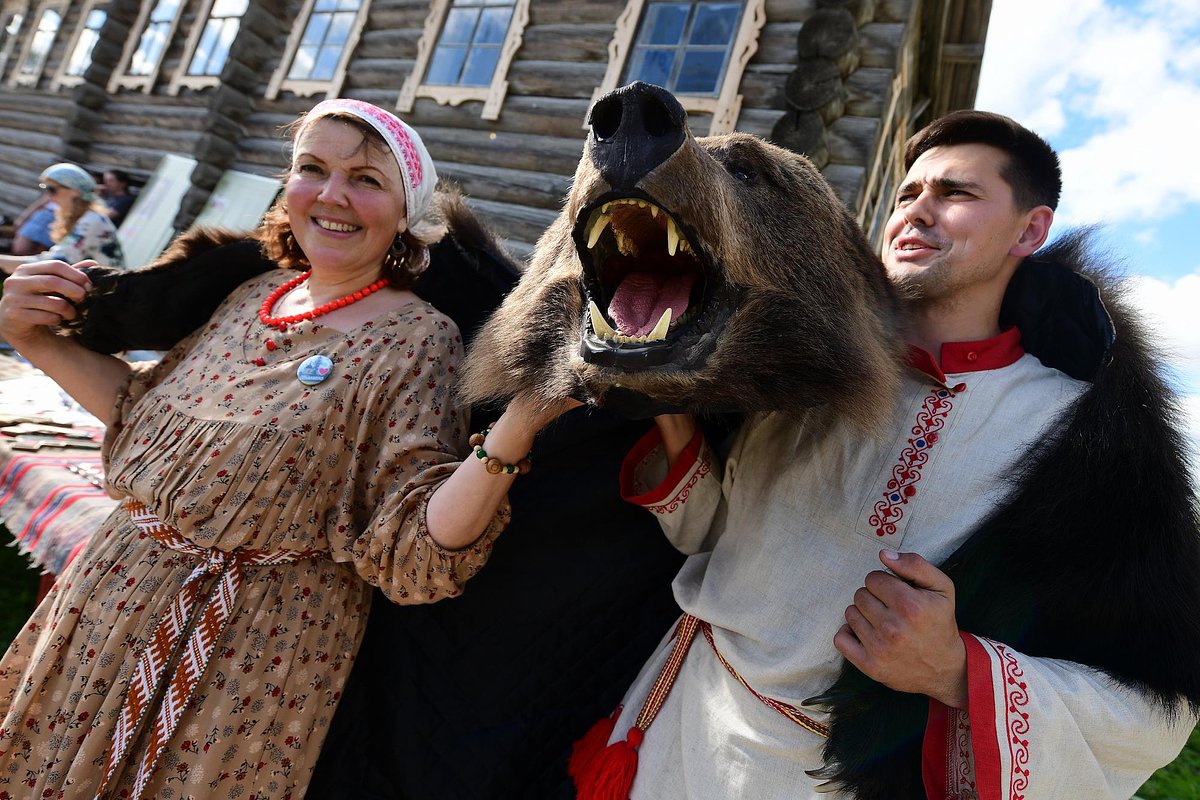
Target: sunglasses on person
<point>49,189</point>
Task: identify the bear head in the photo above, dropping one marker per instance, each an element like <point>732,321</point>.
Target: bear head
<point>712,274</point>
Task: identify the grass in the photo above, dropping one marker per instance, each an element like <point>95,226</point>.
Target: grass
<point>1179,780</point>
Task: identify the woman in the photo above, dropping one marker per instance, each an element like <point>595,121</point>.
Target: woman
<point>82,228</point>
<point>300,447</point>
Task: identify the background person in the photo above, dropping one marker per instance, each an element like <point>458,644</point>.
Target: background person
<point>114,190</point>
<point>81,228</point>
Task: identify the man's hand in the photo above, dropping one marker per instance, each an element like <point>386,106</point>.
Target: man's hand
<point>901,630</point>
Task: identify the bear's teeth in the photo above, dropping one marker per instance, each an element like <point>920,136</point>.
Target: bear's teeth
<point>597,228</point>
<point>672,237</point>
<point>599,324</point>
<point>660,330</point>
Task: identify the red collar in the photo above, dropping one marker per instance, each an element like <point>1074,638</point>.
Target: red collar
<point>995,353</point>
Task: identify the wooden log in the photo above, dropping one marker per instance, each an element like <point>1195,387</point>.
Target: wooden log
<point>520,187</point>
<point>141,159</point>
<point>759,122</point>
<point>30,121</point>
<point>32,140</point>
<point>135,135</point>
<point>847,181</point>
<point>555,78</point>
<point>815,83</point>
<point>386,44</point>
<point>20,156</point>
<point>867,91</point>
<point>881,44</point>
<point>790,10</point>
<point>893,10</point>
<point>829,33</point>
<point>777,43</point>
<point>803,132</point>
<point>511,221</point>
<point>762,88</point>
<point>513,150</point>
<point>549,116</point>
<point>567,42</point>
<point>863,11</point>
<point>575,13</point>
<point>375,73</point>
<point>852,140</point>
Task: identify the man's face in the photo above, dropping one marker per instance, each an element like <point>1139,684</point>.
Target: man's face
<point>112,184</point>
<point>955,225</point>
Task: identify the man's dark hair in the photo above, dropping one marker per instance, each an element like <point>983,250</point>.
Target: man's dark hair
<point>120,174</point>
<point>1032,170</point>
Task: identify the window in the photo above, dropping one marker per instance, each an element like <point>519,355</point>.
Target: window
<point>70,71</point>
<point>8,36</point>
<point>208,45</point>
<point>698,50</point>
<point>143,55</point>
<point>316,58</point>
<point>37,49</point>
<point>465,52</point>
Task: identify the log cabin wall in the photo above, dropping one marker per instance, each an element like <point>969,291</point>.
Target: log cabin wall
<point>842,80</point>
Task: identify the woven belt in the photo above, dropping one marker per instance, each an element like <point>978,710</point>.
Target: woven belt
<point>198,613</point>
<point>684,634</point>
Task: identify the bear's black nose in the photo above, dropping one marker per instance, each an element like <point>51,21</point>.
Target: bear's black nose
<point>634,129</point>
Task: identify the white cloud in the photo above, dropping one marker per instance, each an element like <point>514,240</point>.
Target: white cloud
<point>1127,77</point>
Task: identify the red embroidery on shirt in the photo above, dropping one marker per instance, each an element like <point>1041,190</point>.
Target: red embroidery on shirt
<point>1016,721</point>
<point>682,495</point>
<point>905,474</point>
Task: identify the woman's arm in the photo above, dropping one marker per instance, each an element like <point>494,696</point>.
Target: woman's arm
<point>461,508</point>
<point>38,297</point>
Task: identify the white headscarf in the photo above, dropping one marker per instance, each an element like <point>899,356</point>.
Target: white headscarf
<point>416,165</point>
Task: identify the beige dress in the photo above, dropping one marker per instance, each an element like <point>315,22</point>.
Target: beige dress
<point>223,442</point>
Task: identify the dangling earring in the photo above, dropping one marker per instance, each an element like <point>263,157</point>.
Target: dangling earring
<point>397,252</point>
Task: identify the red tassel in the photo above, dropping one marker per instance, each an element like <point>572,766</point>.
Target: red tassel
<point>610,774</point>
<point>585,751</point>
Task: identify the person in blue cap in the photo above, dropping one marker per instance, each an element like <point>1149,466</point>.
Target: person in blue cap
<point>81,229</point>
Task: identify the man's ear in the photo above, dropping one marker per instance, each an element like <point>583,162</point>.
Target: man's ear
<point>1037,228</point>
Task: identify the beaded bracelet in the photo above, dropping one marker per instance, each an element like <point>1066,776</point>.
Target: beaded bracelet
<point>494,465</point>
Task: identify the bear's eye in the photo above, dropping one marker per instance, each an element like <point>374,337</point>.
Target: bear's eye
<point>741,171</point>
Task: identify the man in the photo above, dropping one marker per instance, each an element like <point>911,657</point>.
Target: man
<point>114,190</point>
<point>967,680</point>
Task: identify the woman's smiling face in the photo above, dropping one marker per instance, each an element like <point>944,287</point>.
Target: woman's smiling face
<point>345,199</point>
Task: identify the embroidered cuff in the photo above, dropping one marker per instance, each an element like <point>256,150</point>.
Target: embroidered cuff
<point>688,462</point>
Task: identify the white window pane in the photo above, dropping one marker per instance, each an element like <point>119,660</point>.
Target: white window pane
<point>317,27</point>
<point>149,50</point>
<point>228,8</point>
<point>229,30</point>
<point>339,31</point>
<point>327,61</point>
<point>302,64</point>
<point>349,5</point>
<point>716,23</point>
<point>493,26</point>
<point>700,72</point>
<point>664,23</point>
<point>481,66</point>
<point>95,19</point>
<point>14,25</point>
<point>652,66</point>
<point>205,48</point>
<point>459,26</point>
<point>445,65</point>
<point>164,11</point>
<point>325,5</point>
<point>81,57</point>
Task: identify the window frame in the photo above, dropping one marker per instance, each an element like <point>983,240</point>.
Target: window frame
<point>61,78</point>
<point>304,87</point>
<point>145,83</point>
<point>727,104</point>
<point>182,80</point>
<point>492,95</point>
<point>32,79</point>
<point>7,12</point>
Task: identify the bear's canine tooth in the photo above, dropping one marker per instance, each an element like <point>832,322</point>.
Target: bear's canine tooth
<point>599,324</point>
<point>660,330</point>
<point>597,228</point>
<point>672,237</point>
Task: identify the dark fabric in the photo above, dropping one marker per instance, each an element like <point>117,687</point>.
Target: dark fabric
<point>1094,557</point>
<point>480,697</point>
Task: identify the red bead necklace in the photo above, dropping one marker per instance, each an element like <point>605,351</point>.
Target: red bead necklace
<point>282,323</point>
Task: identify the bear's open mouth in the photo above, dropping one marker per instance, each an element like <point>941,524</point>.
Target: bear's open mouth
<point>649,289</point>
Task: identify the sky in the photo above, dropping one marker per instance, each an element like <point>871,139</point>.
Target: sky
<point>1114,86</point>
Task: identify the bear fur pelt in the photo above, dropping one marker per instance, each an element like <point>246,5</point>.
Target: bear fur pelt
<point>1094,556</point>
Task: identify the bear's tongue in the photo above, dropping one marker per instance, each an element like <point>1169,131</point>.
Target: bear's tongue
<point>640,300</point>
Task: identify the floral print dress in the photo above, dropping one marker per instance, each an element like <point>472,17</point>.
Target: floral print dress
<point>93,236</point>
<point>222,442</point>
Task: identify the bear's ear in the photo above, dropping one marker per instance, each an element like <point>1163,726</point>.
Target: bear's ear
<point>155,307</point>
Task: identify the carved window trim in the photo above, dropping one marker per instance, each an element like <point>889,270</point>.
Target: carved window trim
<point>120,77</point>
<point>61,78</point>
<point>203,18</point>
<point>7,14</point>
<point>307,87</point>
<point>491,95</point>
<point>727,105</point>
<point>17,78</point>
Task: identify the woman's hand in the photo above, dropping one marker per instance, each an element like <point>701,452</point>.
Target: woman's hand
<point>38,296</point>
<point>677,430</point>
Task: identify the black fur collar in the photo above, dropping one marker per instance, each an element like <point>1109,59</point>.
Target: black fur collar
<point>1103,571</point>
